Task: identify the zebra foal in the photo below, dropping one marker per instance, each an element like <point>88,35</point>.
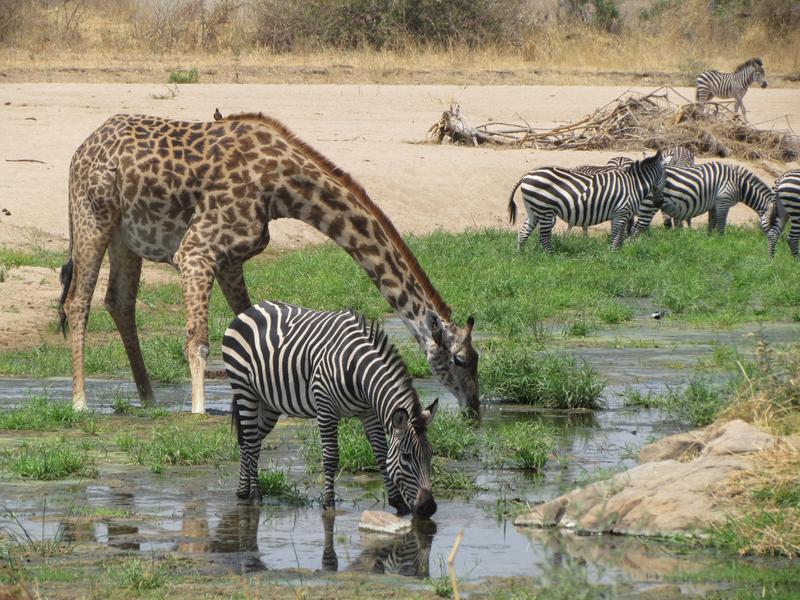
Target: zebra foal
<point>579,199</point>
<point>710,187</point>
<point>283,359</point>
<point>711,84</point>
<point>786,208</point>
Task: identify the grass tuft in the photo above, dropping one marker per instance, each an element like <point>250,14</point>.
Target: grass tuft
<point>184,76</point>
<point>41,414</point>
<point>525,445</point>
<point>517,372</point>
<point>277,486</point>
<point>48,460</point>
<point>180,445</point>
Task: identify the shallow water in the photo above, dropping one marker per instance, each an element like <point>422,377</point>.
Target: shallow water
<point>193,511</point>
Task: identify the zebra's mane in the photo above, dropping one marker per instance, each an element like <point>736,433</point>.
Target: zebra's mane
<point>391,358</point>
<point>753,62</point>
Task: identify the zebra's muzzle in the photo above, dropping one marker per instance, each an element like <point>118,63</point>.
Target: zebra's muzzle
<point>425,506</point>
<point>763,84</point>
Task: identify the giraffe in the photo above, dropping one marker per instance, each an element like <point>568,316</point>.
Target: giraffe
<point>199,196</point>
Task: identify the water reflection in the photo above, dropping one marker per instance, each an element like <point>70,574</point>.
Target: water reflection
<point>408,555</point>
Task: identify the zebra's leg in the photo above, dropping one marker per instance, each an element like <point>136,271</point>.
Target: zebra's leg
<point>721,218</point>
<point>525,232</point>
<point>712,220</point>
<point>545,232</point>
<point>619,226</point>
<point>328,422</point>
<point>678,223</point>
<point>586,231</point>
<point>667,220</point>
<point>794,237</point>
<point>774,234</point>
<point>377,439</point>
<point>689,222</point>
<point>253,424</point>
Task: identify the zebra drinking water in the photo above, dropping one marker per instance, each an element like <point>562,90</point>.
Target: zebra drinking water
<point>711,187</point>
<point>283,359</point>
<point>578,199</point>
<point>786,208</point>
<point>712,84</point>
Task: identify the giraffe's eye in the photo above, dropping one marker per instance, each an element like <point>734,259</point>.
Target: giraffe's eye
<point>459,361</point>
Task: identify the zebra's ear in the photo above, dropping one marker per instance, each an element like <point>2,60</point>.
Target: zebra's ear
<point>400,420</point>
<point>430,412</point>
<point>434,326</point>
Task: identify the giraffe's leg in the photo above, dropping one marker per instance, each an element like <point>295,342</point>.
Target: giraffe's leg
<point>120,302</point>
<point>231,282</point>
<point>197,279</point>
<point>545,231</point>
<point>328,422</point>
<point>377,439</point>
<point>87,256</point>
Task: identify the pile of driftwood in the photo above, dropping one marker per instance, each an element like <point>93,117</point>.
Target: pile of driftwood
<point>632,121</point>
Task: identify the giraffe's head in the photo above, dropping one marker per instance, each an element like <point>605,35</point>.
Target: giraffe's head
<point>453,359</point>
<point>409,456</point>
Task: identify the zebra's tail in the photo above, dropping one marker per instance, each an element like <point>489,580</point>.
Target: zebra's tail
<point>512,208</point>
<point>66,280</point>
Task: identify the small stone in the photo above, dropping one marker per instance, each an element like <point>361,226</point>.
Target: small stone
<point>383,522</point>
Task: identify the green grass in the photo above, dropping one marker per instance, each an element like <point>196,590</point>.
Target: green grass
<point>277,486</point>
<point>139,574</point>
<point>355,451</point>
<point>698,403</point>
<point>525,445</point>
<point>452,435</point>
<point>720,282</point>
<point>123,406</point>
<point>184,76</point>
<point>449,478</point>
<point>14,257</point>
<point>515,371</point>
<point>180,445</point>
<point>748,581</point>
<point>48,460</point>
<point>41,414</point>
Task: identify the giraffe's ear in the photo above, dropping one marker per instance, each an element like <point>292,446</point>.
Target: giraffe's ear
<point>400,420</point>
<point>434,326</point>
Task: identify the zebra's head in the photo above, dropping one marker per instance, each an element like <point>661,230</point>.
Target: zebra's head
<point>408,460</point>
<point>453,359</point>
<point>755,66</point>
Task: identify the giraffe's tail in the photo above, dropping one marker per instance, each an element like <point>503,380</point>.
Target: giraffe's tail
<point>66,280</point>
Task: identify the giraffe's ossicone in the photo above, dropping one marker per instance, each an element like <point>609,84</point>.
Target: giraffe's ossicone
<point>199,196</point>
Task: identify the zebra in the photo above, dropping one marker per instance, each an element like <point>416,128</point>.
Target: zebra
<point>615,162</point>
<point>712,84</point>
<point>786,208</point>
<point>710,187</point>
<point>284,359</point>
<point>681,157</point>
<point>579,199</point>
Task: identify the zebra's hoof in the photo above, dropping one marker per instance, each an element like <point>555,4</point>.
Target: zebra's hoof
<point>243,494</point>
<point>255,498</point>
<point>400,506</point>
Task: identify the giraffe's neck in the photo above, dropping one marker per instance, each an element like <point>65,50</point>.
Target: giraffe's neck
<point>339,208</point>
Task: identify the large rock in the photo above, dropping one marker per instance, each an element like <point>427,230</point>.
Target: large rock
<point>673,493</point>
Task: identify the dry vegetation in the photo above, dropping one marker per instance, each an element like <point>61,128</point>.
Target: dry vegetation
<point>631,121</point>
<point>400,40</point>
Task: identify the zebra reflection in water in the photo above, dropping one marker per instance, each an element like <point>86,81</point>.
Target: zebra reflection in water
<point>408,555</point>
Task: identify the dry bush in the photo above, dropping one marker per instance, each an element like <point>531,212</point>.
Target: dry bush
<point>182,25</point>
<point>11,18</point>
<point>286,25</point>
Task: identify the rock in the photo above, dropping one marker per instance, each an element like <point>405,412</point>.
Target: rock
<point>378,521</point>
<point>660,497</point>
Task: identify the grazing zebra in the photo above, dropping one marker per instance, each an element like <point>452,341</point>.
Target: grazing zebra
<point>579,199</point>
<point>283,359</point>
<point>712,84</point>
<point>786,208</point>
<point>711,187</point>
<point>681,157</point>
<point>615,162</point>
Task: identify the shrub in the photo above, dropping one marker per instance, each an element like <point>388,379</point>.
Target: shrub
<point>181,76</point>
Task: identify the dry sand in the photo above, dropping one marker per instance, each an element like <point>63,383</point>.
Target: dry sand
<point>371,131</point>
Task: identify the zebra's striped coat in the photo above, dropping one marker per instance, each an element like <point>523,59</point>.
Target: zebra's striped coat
<point>283,359</point>
<point>680,156</point>
<point>786,208</point>
<point>584,200</point>
<point>711,84</point>
<point>711,188</point>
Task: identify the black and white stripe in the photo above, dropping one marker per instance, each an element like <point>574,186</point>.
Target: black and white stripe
<point>711,187</point>
<point>615,162</point>
<point>786,208</point>
<point>283,359</point>
<point>711,84</point>
<point>584,200</point>
<point>680,156</point>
